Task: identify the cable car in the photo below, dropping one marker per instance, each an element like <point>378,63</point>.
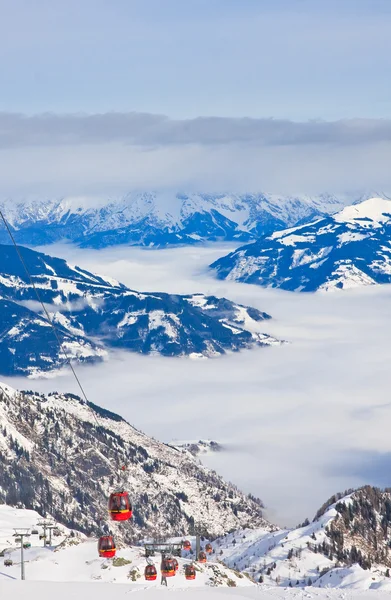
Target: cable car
<point>150,573</point>
<point>176,564</point>
<point>120,508</point>
<point>168,567</point>
<point>202,557</point>
<point>106,546</point>
<point>8,562</point>
<point>190,572</point>
<point>34,532</point>
<point>186,545</point>
<point>209,548</point>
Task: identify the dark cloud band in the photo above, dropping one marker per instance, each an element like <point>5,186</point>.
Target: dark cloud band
<point>139,129</point>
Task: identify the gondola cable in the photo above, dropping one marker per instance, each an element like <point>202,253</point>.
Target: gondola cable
<point>120,508</point>
<point>47,317</point>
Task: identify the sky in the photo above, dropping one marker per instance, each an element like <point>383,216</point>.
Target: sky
<point>295,59</point>
<point>284,96</point>
<point>299,422</point>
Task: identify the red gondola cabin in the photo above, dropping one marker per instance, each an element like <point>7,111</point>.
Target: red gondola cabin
<point>106,546</point>
<point>168,567</point>
<point>120,508</point>
<point>150,573</point>
<point>209,548</point>
<point>190,572</point>
<point>186,545</point>
<point>202,557</point>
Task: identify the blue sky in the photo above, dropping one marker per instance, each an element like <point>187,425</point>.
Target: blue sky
<point>296,59</point>
<point>298,95</point>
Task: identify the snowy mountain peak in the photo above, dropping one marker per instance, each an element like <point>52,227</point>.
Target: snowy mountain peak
<point>374,212</point>
<point>349,249</point>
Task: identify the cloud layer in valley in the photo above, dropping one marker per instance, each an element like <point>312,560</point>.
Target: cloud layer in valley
<point>299,422</point>
<point>114,153</point>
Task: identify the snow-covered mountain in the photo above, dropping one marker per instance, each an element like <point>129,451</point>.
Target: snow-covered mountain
<point>347,545</point>
<point>349,249</point>
<point>94,313</point>
<point>62,457</point>
<point>160,219</point>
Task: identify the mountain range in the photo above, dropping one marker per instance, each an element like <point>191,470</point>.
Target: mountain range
<point>348,249</point>
<point>159,219</point>
<point>93,314</point>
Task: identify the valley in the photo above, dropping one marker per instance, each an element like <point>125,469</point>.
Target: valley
<point>311,387</point>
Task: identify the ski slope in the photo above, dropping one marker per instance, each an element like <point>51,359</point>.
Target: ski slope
<point>47,591</point>
<point>74,558</point>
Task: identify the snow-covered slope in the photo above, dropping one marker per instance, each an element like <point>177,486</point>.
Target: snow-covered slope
<point>42,590</point>
<point>160,219</point>
<point>350,249</point>
<point>348,543</point>
<point>288,559</point>
<point>62,457</point>
<point>94,313</point>
<point>73,557</point>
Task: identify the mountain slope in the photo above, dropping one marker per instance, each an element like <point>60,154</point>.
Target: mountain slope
<point>94,313</point>
<point>348,541</point>
<point>27,343</point>
<point>159,219</point>
<point>61,457</point>
<point>349,249</point>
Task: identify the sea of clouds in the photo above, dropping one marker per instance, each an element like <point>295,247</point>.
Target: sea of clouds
<point>298,422</point>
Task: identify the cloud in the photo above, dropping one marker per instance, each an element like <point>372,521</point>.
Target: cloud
<point>73,306</point>
<point>288,416</point>
<point>370,466</point>
<point>112,154</point>
<point>148,130</point>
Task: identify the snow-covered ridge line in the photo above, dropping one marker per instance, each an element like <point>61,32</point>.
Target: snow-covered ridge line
<point>93,314</point>
<point>347,545</point>
<point>349,249</point>
<point>161,218</point>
